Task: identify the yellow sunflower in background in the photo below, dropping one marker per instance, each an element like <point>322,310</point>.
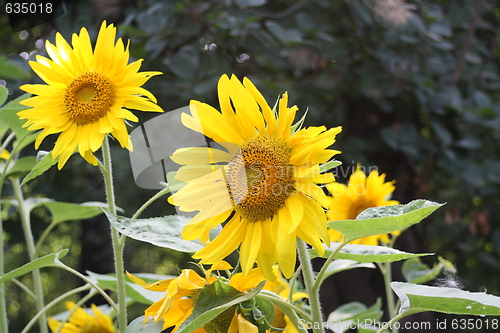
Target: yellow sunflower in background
<point>262,184</point>
<point>183,291</point>
<point>87,94</point>
<point>362,192</point>
<point>83,322</point>
<point>281,287</point>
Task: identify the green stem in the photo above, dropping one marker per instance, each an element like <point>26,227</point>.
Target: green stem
<point>48,306</point>
<point>30,245</point>
<point>78,304</point>
<point>386,270</point>
<point>292,281</point>
<point>86,279</point>
<point>118,242</point>
<point>307,273</point>
<point>282,303</point>
<point>319,277</point>
<point>289,310</point>
<point>24,287</point>
<point>150,201</point>
<point>3,305</point>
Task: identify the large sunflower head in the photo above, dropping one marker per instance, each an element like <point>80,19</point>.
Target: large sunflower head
<point>259,180</point>
<point>361,192</point>
<point>84,322</point>
<point>182,292</point>
<point>87,95</point>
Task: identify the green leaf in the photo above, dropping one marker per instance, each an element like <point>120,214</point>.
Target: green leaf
<point>415,271</point>
<point>137,326</point>
<point>21,166</point>
<point>382,220</point>
<point>340,265</point>
<point>45,261</point>
<point>367,253</point>
<point>44,162</point>
<point>4,93</point>
<point>345,315</point>
<point>213,300</point>
<point>12,71</point>
<point>8,114</point>
<point>134,291</point>
<point>160,231</point>
<point>65,211</point>
<point>417,298</point>
<point>250,3</point>
<point>329,165</point>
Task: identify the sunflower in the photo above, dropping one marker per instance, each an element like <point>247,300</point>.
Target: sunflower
<point>362,192</point>
<point>261,179</point>
<point>83,322</point>
<point>281,287</point>
<point>87,94</point>
<point>183,291</point>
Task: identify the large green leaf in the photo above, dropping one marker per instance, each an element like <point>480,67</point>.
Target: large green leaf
<point>367,253</point>
<point>418,298</point>
<point>8,114</point>
<point>43,163</point>
<point>381,220</point>
<point>160,231</point>
<point>12,71</point>
<point>133,291</point>
<point>66,211</point>
<point>212,301</point>
<point>138,326</point>
<point>415,271</point>
<point>45,261</point>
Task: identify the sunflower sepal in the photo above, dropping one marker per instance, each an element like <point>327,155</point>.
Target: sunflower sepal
<point>212,301</point>
<point>386,219</point>
<point>329,165</point>
<point>260,312</point>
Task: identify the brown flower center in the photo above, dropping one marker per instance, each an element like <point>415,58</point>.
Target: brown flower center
<point>260,178</point>
<point>89,98</point>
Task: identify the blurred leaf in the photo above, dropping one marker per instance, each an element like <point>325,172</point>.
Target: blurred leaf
<point>160,231</point>
<point>8,114</point>
<point>367,253</point>
<point>151,326</point>
<point>417,298</point>
<point>43,163</point>
<point>382,220</point>
<point>21,166</point>
<point>4,93</point>
<point>415,271</point>
<point>11,71</point>
<point>184,63</point>
<point>133,291</point>
<point>250,3</point>
<point>344,316</point>
<point>65,211</point>
<point>45,261</point>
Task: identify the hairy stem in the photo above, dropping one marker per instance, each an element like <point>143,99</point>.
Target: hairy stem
<point>307,273</point>
<point>115,237</point>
